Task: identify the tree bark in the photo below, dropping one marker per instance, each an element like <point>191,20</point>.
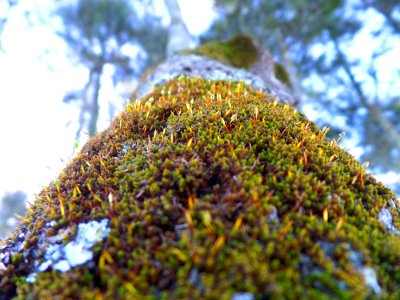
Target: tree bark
<point>89,113</point>
<point>179,37</point>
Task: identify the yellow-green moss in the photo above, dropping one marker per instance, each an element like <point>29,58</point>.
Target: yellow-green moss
<point>216,190</point>
<point>239,51</point>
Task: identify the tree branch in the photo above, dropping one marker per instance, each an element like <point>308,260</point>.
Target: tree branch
<point>374,110</point>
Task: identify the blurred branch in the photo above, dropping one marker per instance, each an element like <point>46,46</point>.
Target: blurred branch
<point>389,18</point>
<point>347,68</point>
<point>387,9</point>
<point>374,110</point>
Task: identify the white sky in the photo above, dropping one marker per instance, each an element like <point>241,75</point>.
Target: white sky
<point>33,117</point>
<point>35,143</point>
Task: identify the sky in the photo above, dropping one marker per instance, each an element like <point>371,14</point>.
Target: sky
<point>37,130</point>
<point>33,133</point>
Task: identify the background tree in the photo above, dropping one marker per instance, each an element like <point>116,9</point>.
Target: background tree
<point>99,33</point>
<point>179,37</point>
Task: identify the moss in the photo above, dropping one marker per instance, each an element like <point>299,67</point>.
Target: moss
<point>239,51</point>
<point>215,190</point>
<point>281,74</point>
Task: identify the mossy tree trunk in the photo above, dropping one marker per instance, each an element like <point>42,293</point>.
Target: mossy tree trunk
<point>208,188</point>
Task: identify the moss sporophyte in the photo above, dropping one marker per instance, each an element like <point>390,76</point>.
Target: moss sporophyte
<point>208,190</point>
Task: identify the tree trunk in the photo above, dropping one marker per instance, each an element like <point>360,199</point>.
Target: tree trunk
<point>89,113</point>
<point>93,98</point>
<point>179,37</point>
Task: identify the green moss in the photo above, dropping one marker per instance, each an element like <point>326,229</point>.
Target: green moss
<point>216,190</point>
<point>239,51</point>
<point>16,258</point>
<point>281,74</point>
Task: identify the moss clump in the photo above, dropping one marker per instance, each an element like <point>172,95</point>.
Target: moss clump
<point>281,74</point>
<point>212,190</point>
<point>239,51</point>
